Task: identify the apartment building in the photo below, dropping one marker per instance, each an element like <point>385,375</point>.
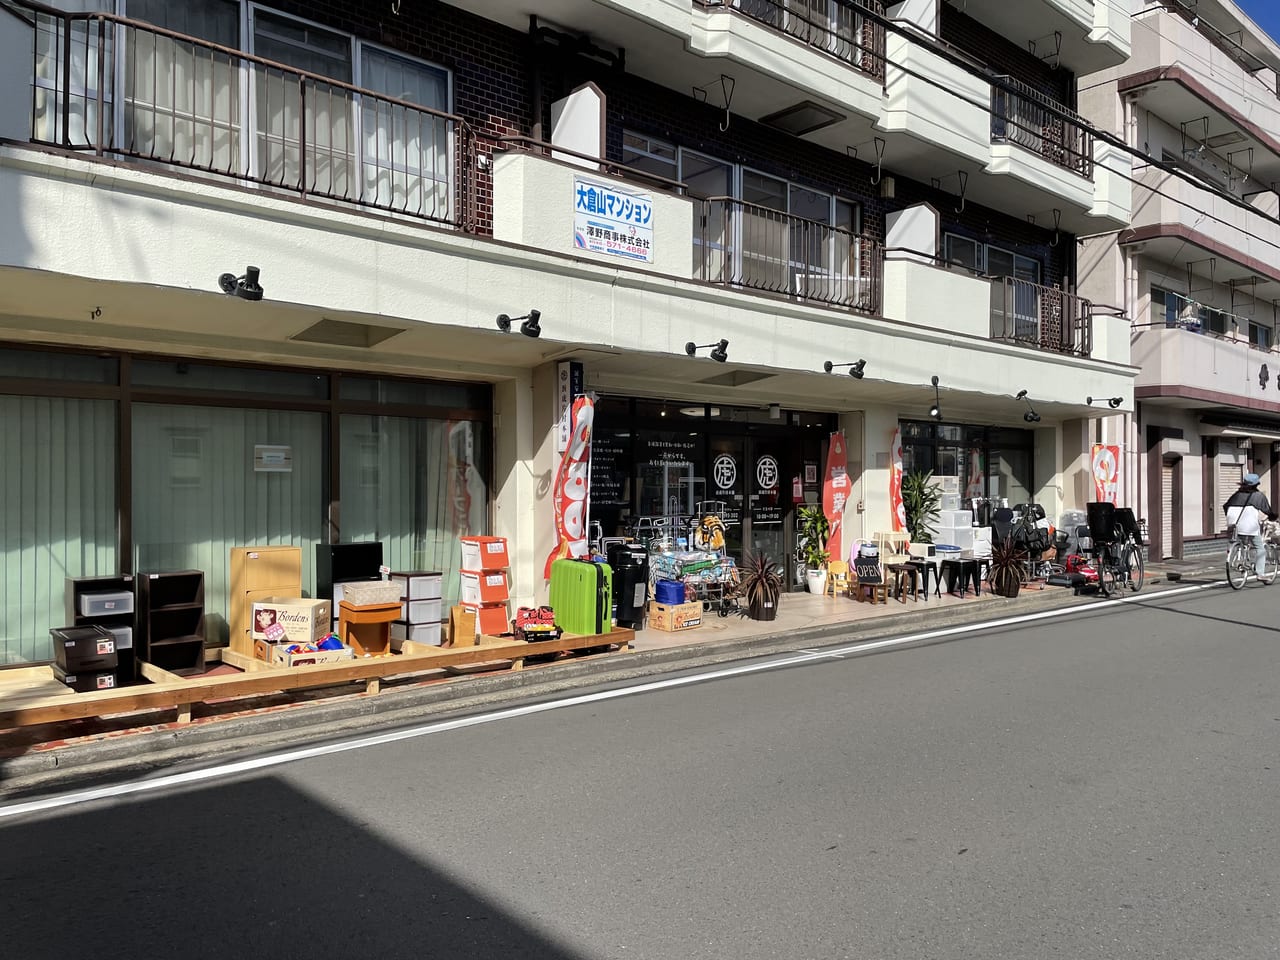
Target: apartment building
<point>1197,268</point>
<point>460,212</point>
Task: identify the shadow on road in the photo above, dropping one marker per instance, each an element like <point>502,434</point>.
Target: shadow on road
<point>251,869</point>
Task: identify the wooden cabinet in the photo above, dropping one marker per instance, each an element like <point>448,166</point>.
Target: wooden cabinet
<point>259,573</point>
<point>170,632</point>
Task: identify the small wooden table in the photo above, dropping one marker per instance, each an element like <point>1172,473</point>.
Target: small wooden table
<point>367,629</point>
<point>901,573</point>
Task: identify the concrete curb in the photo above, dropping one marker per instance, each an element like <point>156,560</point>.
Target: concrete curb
<point>111,757</point>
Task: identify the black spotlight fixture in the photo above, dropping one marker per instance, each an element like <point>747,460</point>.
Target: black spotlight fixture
<point>246,287</point>
<point>935,412</point>
<point>529,328</point>
<point>1030,416</point>
<point>856,370</point>
<point>719,352</point>
<point>1112,402</point>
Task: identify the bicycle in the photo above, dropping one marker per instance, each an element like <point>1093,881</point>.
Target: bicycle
<point>1241,558</point>
<point>1119,561</point>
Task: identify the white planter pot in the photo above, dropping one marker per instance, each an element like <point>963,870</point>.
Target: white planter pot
<point>817,580</point>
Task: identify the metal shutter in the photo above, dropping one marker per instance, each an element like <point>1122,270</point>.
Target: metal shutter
<point>1229,477</point>
<point>1166,510</point>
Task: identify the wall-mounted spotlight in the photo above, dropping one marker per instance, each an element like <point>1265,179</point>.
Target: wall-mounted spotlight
<point>246,287</point>
<point>530,326</point>
<point>935,412</point>
<point>1030,416</point>
<point>1112,402</point>
<point>719,354</point>
<point>855,369</point>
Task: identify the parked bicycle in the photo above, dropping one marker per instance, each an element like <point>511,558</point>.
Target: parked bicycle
<point>1117,549</point>
<point>1241,559</point>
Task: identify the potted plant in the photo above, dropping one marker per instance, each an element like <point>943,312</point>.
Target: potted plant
<point>1005,571</point>
<point>922,501</point>
<point>761,585</point>
<point>813,532</point>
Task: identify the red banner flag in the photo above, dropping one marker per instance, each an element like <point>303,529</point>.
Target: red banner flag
<point>836,487</point>
<point>572,485</point>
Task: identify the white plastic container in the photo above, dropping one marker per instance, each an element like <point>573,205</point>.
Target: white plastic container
<point>123,635</point>
<point>956,518</point>
<point>422,611</point>
<point>950,501</point>
<point>417,632</point>
<point>107,604</point>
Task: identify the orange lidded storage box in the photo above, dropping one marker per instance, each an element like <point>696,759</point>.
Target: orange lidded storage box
<point>491,618</point>
<point>484,553</point>
<point>477,587</point>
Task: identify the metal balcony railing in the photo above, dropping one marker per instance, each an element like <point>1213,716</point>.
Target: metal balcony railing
<point>1035,122</point>
<point>1046,318</point>
<point>837,27</point>
<point>740,244</point>
<point>127,89</point>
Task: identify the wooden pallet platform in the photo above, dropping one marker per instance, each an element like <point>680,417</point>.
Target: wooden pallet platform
<point>30,695</point>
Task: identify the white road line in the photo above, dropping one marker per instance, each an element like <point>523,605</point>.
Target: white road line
<point>275,760</point>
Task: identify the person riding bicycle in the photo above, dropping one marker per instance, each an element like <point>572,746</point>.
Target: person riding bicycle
<point>1245,510</point>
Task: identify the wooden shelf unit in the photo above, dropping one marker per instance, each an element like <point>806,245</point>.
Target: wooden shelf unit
<point>170,631</point>
<point>260,573</point>
<point>126,671</point>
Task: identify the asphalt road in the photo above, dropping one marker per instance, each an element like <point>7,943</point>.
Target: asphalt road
<point>1100,786</point>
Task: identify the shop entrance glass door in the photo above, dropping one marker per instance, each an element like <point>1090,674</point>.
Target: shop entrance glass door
<point>726,483</point>
<point>768,504</point>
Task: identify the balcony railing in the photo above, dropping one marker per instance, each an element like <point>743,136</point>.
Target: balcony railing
<point>837,27</point>
<point>1046,318</point>
<point>121,88</point>
<point>1035,122</point>
<point>740,244</point>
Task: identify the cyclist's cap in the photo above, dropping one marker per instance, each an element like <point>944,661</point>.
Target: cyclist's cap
<point>1251,479</point>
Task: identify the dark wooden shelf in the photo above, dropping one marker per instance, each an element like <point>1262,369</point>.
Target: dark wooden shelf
<point>174,641</point>
<point>170,632</point>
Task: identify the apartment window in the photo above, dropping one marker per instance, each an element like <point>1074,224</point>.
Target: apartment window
<point>1260,336</point>
<point>989,259</point>
<point>648,154</point>
<point>79,101</point>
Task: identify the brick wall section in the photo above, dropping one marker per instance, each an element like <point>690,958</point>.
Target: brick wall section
<point>1005,57</point>
<point>492,87</point>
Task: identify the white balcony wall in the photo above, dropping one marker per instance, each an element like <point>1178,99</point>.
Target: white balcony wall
<point>1112,186</point>
<point>730,35</point>
<point>1174,357</point>
<point>1172,41</point>
<point>533,205</point>
<point>1035,171</point>
<point>180,233</point>
<point>1228,224</point>
<point>922,293</point>
<point>919,109</point>
<point>1112,21</point>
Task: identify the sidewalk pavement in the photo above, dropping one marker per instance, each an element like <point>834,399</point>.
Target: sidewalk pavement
<point>60,755</point>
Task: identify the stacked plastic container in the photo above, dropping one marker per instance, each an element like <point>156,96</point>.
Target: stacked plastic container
<point>485,586</point>
<point>420,597</point>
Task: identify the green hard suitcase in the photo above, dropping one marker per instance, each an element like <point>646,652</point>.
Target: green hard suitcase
<point>582,596</point>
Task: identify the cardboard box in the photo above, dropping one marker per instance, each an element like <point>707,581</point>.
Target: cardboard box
<point>304,621</point>
<point>484,553</point>
<point>671,617</point>
<point>477,587</point>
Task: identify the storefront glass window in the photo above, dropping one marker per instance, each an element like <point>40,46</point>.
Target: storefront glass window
<point>58,514</point>
<point>416,486</point>
<point>200,487</point>
<point>458,396</point>
<point>180,375</point>
<point>78,367</point>
<point>669,468</point>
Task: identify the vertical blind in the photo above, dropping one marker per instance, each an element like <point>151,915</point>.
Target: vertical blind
<point>57,512</point>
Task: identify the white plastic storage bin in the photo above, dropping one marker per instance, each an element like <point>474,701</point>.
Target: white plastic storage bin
<point>417,632</point>
<point>950,501</point>
<point>419,586</point>
<point>107,604</point>
<point>422,611</point>
<point>981,534</point>
<point>961,537</point>
<point>956,518</point>
<point>123,635</point>
<point>948,485</point>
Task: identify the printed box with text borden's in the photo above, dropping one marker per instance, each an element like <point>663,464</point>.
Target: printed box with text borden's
<point>303,621</point>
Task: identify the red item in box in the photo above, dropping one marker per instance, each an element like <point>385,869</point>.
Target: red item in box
<point>491,618</point>
<point>484,553</point>
<point>535,617</point>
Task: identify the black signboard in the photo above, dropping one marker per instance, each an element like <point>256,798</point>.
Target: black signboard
<point>610,459</point>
